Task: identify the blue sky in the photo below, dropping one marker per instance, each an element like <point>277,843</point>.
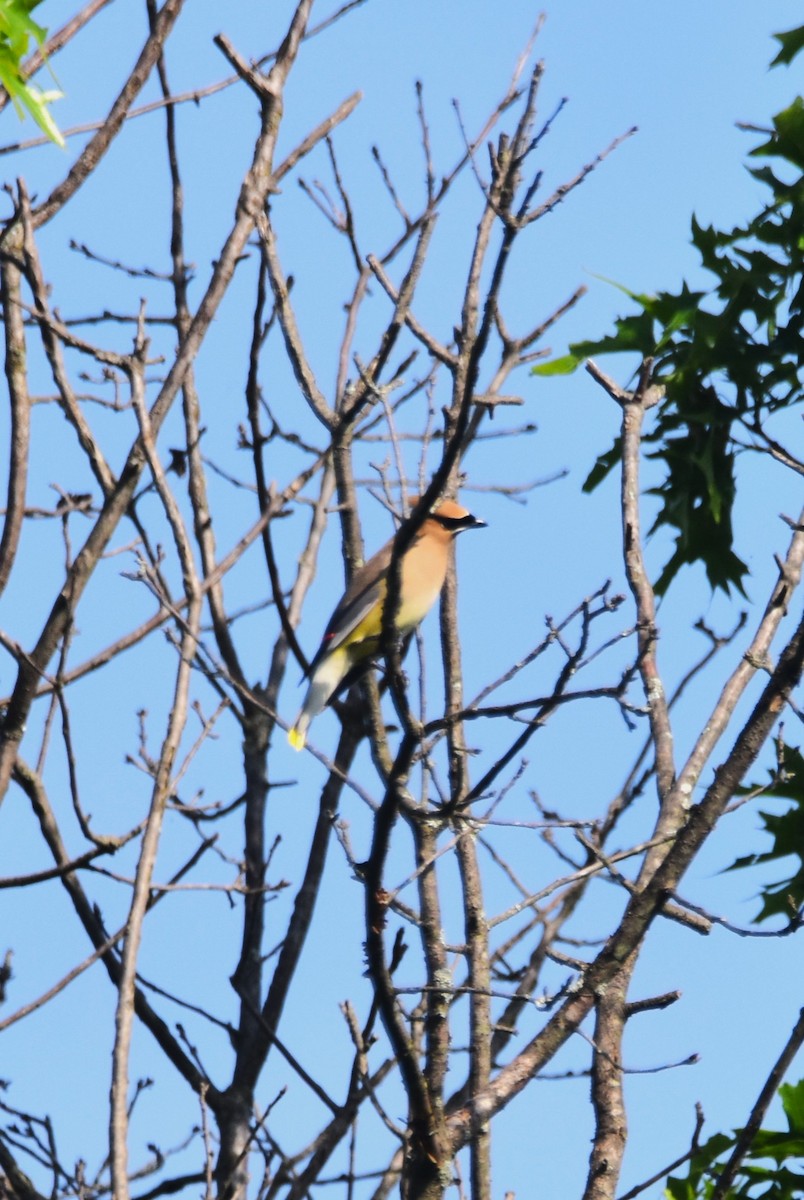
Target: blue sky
<point>683,74</point>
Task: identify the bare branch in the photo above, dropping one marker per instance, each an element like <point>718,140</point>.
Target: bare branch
<point>15,363</point>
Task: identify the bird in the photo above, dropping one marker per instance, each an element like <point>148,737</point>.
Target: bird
<point>354,632</point>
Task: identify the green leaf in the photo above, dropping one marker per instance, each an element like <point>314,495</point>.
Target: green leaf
<point>788,139</point>
<point>787,783</point>
<point>17,31</point>
<point>699,488</point>
<point>701,1164</point>
<point>37,103</point>
<point>17,28</point>
<point>678,1189</point>
<point>791,43</point>
<point>634,332</point>
<point>792,1097</point>
<point>558,366</point>
<point>786,830</point>
<point>636,296</point>
<point>604,463</point>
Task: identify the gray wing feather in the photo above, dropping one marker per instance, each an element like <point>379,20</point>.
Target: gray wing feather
<point>362,594</point>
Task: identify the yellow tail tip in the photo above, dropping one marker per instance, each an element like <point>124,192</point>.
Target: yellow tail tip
<point>296,738</point>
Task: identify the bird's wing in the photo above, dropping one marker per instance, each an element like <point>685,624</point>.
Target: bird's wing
<point>366,590</point>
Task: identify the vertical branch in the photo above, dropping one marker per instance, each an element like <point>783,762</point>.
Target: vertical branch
<point>202,519</point>
<point>124,1016</point>
<point>53,350</point>
<point>427,1153</point>
<point>477,950</point>
<point>125,1012</point>
<point>633,416</point>
<point>634,406</point>
<point>608,1102</point>
<point>16,377</point>
<point>287,321</point>
<point>453,686</point>
<point>289,611</point>
<point>439,977</point>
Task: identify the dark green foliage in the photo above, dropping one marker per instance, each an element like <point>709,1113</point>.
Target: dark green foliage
<point>698,490</point>
<point>604,463</point>
<point>773,1168</point>
<point>700,1164</point>
<point>729,359</point>
<point>791,43</point>
<point>785,897</point>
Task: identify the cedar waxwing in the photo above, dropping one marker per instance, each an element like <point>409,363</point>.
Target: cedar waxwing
<point>354,630</point>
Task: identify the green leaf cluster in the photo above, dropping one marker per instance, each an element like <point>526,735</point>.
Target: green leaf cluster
<point>17,32</point>
<point>729,358</point>
<point>773,1168</point>
<point>785,897</point>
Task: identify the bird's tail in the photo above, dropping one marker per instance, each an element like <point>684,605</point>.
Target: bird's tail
<point>297,736</point>
<point>325,680</point>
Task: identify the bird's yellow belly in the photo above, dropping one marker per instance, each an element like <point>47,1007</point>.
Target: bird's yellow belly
<point>366,637</point>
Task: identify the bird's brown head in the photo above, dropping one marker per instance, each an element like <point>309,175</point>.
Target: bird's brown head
<point>453,518</point>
